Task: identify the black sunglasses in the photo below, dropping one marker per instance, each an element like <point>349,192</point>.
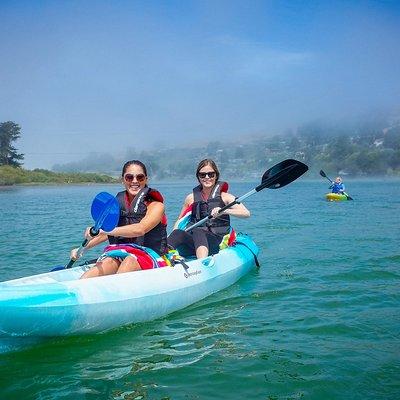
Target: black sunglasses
<point>130,177</point>
<point>203,175</point>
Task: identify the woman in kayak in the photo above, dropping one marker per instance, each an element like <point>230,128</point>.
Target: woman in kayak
<point>337,186</point>
<point>142,223</point>
<point>206,199</point>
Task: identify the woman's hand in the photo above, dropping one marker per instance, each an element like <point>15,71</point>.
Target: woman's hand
<point>215,211</point>
<point>89,234</point>
<point>238,210</point>
<point>74,254</point>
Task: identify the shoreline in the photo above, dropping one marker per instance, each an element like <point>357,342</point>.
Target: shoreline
<point>188,181</point>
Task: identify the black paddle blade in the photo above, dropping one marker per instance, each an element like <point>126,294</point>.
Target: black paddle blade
<point>282,174</point>
<point>323,174</point>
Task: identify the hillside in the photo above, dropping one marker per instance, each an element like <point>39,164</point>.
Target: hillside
<point>369,149</point>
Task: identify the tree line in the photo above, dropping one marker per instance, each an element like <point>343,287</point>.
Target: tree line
<point>369,147</point>
<point>11,171</point>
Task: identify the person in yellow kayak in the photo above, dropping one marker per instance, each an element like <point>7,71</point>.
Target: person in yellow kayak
<point>338,186</point>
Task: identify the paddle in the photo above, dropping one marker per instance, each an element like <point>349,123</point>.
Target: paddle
<point>105,213</point>
<point>276,177</point>
<point>322,173</point>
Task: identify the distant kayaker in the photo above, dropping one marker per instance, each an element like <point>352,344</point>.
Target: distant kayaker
<point>142,222</point>
<point>206,199</point>
<point>337,186</point>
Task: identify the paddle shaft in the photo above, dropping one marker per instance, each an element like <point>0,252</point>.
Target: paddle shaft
<point>236,201</point>
<point>81,249</point>
<point>330,180</point>
<point>94,231</point>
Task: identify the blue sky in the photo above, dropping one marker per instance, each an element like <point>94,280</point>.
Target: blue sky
<point>102,76</point>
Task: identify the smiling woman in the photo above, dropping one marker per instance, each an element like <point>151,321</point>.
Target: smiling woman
<point>207,199</point>
<point>140,237</point>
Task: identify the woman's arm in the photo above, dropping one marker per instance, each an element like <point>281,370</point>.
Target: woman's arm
<point>93,241</point>
<point>100,238</point>
<point>188,201</point>
<point>155,212</point>
<point>237,210</point>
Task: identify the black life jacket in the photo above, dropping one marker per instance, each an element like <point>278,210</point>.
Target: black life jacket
<point>201,209</point>
<point>156,238</point>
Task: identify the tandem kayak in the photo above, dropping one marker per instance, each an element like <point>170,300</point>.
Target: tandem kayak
<point>60,304</point>
<point>336,197</point>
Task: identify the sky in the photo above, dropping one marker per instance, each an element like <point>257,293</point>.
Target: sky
<point>99,77</point>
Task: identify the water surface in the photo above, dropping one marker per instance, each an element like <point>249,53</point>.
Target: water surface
<point>319,320</point>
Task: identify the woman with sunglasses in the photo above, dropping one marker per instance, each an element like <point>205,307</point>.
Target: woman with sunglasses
<point>141,228</point>
<point>206,199</point>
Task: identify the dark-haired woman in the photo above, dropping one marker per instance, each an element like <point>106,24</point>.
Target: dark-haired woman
<point>207,198</point>
<point>140,236</point>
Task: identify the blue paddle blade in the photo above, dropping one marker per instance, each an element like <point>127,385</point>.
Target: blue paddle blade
<point>105,211</point>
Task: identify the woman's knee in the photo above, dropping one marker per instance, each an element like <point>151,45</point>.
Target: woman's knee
<point>129,264</point>
<point>108,266</point>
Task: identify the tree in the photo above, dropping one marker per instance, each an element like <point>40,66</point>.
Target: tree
<point>9,132</point>
<point>339,148</point>
<point>392,138</point>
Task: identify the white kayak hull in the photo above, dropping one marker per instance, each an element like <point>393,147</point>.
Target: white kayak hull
<point>59,303</point>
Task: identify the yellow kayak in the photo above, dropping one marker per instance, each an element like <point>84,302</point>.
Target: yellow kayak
<point>336,197</point>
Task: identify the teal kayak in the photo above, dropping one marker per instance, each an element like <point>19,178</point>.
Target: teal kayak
<point>58,303</point>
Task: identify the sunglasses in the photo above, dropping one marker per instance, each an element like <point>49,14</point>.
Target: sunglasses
<point>130,177</point>
<point>203,175</point>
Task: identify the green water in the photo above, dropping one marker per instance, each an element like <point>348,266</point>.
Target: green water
<point>319,320</point>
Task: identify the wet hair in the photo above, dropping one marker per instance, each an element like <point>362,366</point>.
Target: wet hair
<point>210,162</point>
<point>133,162</point>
